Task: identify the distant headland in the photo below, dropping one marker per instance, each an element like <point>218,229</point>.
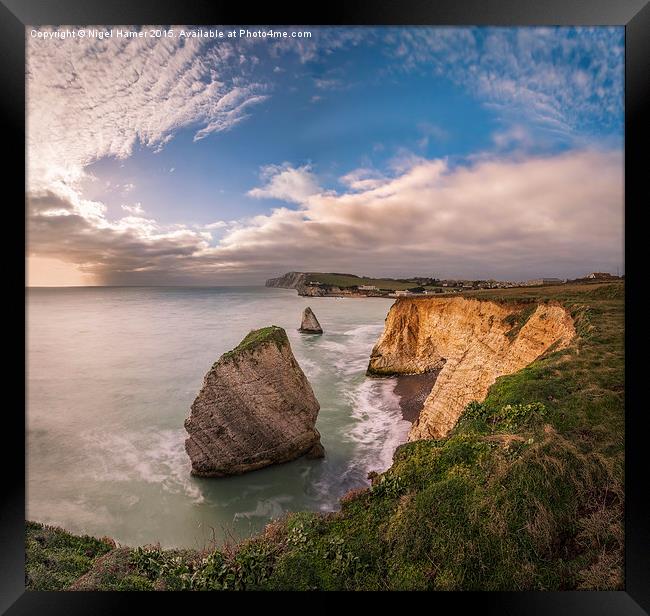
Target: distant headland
<point>331,284</point>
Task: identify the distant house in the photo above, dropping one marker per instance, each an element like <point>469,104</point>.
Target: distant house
<point>601,276</point>
<point>401,293</point>
<point>367,287</point>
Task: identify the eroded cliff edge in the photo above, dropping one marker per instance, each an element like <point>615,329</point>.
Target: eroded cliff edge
<point>472,342</point>
<point>255,408</point>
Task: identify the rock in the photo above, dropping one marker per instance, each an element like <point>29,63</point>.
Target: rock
<point>317,451</point>
<point>471,342</point>
<point>310,291</point>
<point>255,408</point>
<point>310,324</point>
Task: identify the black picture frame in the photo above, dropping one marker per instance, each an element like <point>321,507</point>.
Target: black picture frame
<point>15,15</point>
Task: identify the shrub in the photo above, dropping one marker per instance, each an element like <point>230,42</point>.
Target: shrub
<point>513,416</point>
<point>508,418</point>
<point>391,486</point>
<point>249,568</point>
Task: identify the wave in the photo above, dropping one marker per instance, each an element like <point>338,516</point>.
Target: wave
<point>268,508</point>
<point>349,356</point>
<point>379,427</point>
<point>153,456</point>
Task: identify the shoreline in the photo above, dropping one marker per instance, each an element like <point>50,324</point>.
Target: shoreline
<point>412,391</point>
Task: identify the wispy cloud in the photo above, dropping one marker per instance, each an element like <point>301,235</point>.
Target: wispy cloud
<point>136,208</point>
<point>328,84</point>
<point>561,78</point>
<point>431,132</point>
<point>113,94</point>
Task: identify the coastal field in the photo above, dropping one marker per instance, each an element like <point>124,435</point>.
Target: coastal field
<point>346,280</point>
<point>526,493</point>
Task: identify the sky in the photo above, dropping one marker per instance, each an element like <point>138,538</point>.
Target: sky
<point>450,152</point>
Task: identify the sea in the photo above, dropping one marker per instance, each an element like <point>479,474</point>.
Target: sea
<point>111,375</point>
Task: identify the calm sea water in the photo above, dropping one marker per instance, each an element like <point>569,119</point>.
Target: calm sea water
<point>111,376</point>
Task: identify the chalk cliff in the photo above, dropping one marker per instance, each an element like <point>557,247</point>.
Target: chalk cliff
<point>255,408</point>
<point>472,342</point>
<point>292,280</point>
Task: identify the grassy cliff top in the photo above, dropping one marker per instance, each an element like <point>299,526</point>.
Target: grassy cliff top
<point>348,280</point>
<point>257,337</point>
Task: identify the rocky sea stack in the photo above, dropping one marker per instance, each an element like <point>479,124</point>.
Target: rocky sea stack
<point>310,324</point>
<point>255,408</point>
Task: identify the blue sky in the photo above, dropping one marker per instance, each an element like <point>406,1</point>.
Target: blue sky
<point>193,163</point>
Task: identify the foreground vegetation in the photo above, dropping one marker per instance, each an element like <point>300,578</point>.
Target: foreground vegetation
<point>525,493</point>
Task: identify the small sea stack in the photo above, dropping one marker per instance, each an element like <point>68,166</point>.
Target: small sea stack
<point>255,408</point>
<point>310,324</point>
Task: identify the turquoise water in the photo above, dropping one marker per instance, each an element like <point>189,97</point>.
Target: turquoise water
<point>111,376</point>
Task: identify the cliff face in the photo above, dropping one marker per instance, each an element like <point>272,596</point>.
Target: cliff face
<point>473,342</point>
<point>292,280</point>
<point>255,408</point>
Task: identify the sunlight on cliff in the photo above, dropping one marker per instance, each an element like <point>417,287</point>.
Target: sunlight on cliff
<point>473,342</point>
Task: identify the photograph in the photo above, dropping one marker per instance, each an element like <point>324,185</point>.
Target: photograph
<point>325,307</point>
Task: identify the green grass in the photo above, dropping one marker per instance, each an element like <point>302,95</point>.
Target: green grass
<point>256,337</point>
<point>517,320</point>
<point>526,493</point>
<point>348,280</point>
<point>56,558</point>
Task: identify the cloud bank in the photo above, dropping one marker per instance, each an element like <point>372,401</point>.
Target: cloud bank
<point>555,215</point>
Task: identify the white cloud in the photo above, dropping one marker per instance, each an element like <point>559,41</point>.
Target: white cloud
<point>286,183</point>
<point>219,224</point>
<point>363,179</point>
<point>133,209</point>
<point>516,135</point>
<point>404,159</point>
